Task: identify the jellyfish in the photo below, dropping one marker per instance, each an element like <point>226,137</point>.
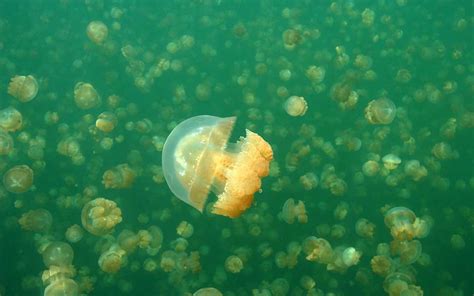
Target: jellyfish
<point>97,31</point>
<point>99,216</point>
<point>380,111</point>
<point>197,159</point>
<point>295,106</point>
<point>24,88</point>
<point>18,179</point>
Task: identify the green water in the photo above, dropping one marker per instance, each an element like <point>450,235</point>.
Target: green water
<point>165,61</point>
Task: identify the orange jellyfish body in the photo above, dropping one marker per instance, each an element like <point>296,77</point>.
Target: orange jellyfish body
<point>197,159</point>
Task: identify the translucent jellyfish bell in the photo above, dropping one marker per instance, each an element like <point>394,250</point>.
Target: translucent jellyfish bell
<point>197,159</point>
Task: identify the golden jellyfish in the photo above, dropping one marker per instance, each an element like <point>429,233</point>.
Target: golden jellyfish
<point>309,181</point>
<point>400,221</point>
<point>365,228</point>
<point>18,179</point>
<point>23,88</point>
<point>380,111</point>
<point>370,168</point>
<point>207,292</point>
<point>74,233</point>
<point>197,159</point>
<point>85,96</point>
<point>381,265</point>
<point>119,177</point>
<point>295,106</point>
<point>39,220</point>
<point>62,286</point>
<point>99,216</point>
<point>10,119</point>
<point>391,161</point>
<point>97,31</point>
<point>112,259</point>
<point>185,229</point>
<point>233,264</point>
<point>58,254</point>
<point>318,249</point>
<point>106,121</point>
<point>6,143</point>
<point>409,251</point>
<point>292,211</point>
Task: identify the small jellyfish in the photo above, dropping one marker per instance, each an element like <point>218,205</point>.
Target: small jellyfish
<point>97,31</point>
<point>233,264</point>
<point>391,161</point>
<point>370,168</point>
<point>18,179</point>
<point>400,221</point>
<point>364,228</point>
<point>295,106</point>
<point>292,211</point>
<point>381,265</point>
<point>185,229</point>
<point>85,96</point>
<point>62,286</point>
<point>39,220</point>
<point>74,233</point>
<point>99,216</point>
<point>380,111</point>
<point>106,121</point>
<point>119,177</point>
<point>318,250</point>
<point>58,254</point>
<point>6,143</point>
<point>24,88</point>
<point>10,119</point>
<point>112,259</point>
<point>207,292</point>
<point>197,159</point>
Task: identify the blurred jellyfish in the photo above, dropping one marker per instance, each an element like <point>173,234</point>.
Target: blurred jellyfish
<point>106,121</point>
<point>400,221</point>
<point>197,159</point>
<point>207,292</point>
<point>119,177</point>
<point>58,254</point>
<point>391,161</point>
<point>24,88</point>
<point>18,179</point>
<point>112,259</point>
<point>39,220</point>
<point>6,143</point>
<point>233,264</point>
<point>74,233</point>
<point>294,211</point>
<point>97,32</point>
<point>85,96</point>
<point>380,111</point>
<point>295,106</point>
<point>10,119</point>
<point>62,286</point>
<point>99,216</point>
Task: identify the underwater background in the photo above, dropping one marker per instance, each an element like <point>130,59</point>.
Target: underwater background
<point>371,186</point>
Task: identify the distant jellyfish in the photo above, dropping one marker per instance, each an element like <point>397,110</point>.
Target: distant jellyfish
<point>100,215</point>
<point>10,119</point>
<point>207,292</point>
<point>97,31</point>
<point>197,158</point>
<point>295,106</point>
<point>391,161</point>
<point>18,179</point>
<point>24,88</point>
<point>380,111</point>
<point>39,220</point>
<point>6,143</point>
<point>58,254</point>
<point>86,96</point>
